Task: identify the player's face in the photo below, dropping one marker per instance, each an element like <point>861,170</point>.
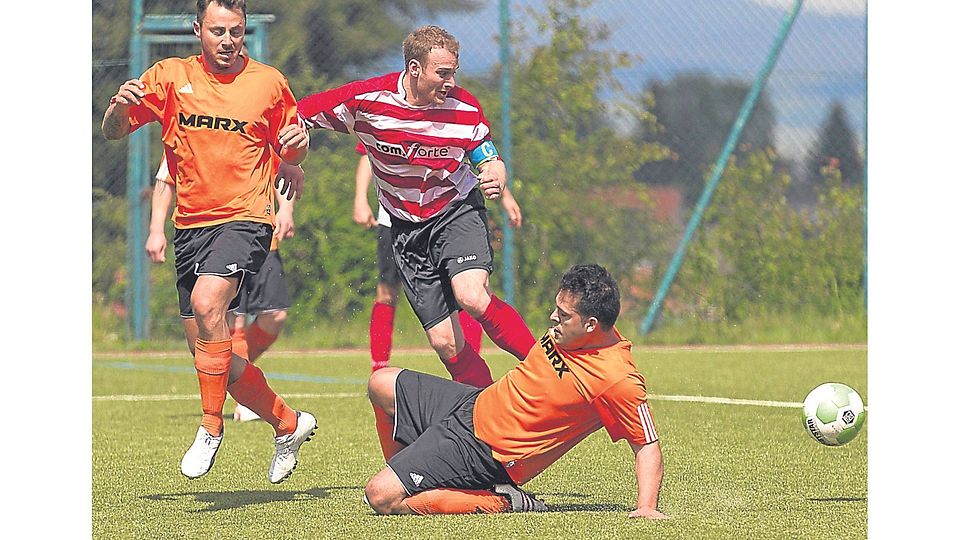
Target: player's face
<point>221,38</point>
<point>434,79</point>
<point>570,330</point>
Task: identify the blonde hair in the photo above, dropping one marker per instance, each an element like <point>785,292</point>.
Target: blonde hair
<point>421,41</point>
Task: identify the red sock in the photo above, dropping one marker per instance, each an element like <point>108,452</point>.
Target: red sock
<point>381,335</point>
<point>385,426</point>
<point>212,361</point>
<point>456,501</point>
<point>251,391</point>
<point>239,342</point>
<point>506,328</point>
<point>258,340</point>
<point>472,331</point>
<point>469,368</point>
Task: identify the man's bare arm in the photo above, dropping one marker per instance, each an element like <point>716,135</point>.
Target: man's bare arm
<point>649,471</point>
<point>115,124</point>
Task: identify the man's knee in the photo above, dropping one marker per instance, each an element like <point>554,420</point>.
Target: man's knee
<point>381,386</point>
<point>383,495</point>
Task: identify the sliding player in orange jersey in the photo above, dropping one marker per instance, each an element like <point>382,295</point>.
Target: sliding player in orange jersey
<point>455,449</point>
<point>222,114</point>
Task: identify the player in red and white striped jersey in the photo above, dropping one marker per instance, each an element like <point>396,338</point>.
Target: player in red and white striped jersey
<point>423,136</point>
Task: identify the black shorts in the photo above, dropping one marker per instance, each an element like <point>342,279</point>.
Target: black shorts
<point>434,419</point>
<point>386,262</point>
<point>221,250</point>
<point>429,255</point>
<point>266,290</point>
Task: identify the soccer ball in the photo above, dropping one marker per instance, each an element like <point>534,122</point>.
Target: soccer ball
<point>833,414</point>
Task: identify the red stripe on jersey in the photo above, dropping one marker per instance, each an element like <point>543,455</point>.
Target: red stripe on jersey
<point>412,182</point>
<point>399,136</point>
<point>422,212</point>
<point>447,116</point>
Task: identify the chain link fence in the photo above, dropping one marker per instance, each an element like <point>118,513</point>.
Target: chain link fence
<point>619,109</point>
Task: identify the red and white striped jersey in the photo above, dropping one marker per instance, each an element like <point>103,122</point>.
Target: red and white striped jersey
<point>418,154</point>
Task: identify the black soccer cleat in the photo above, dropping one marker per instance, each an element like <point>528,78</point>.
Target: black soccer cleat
<point>520,500</point>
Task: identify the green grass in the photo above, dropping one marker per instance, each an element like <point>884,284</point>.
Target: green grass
<point>732,471</point>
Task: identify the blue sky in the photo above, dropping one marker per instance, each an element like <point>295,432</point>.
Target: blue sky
<point>824,58</point>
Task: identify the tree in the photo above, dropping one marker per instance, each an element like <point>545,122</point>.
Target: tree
<point>836,148</point>
<point>695,113</point>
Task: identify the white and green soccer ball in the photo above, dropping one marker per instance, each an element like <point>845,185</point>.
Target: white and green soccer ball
<point>833,413</point>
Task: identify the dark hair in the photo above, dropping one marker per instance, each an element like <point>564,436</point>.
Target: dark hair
<point>229,4</point>
<point>595,291</point>
<point>421,41</point>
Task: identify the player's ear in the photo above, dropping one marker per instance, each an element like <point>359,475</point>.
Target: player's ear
<point>591,324</point>
<point>414,68</point>
<point>196,29</point>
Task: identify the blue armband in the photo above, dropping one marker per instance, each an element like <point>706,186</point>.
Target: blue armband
<point>484,152</point>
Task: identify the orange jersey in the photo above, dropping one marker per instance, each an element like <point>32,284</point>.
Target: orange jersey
<point>217,132</point>
<point>163,175</point>
<point>554,399</point>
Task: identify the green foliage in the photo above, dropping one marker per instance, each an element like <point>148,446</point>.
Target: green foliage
<point>330,265</point>
<point>571,169</point>
<point>755,254</point>
<point>836,148</point>
<point>695,113</point>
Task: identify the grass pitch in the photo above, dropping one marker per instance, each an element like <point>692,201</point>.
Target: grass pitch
<point>738,467</point>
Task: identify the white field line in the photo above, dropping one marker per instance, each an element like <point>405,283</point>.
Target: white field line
<point>637,349</point>
<point>655,397</point>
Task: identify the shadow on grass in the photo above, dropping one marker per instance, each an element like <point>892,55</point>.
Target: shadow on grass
<point>837,499</point>
<point>548,496</point>
<point>225,500</point>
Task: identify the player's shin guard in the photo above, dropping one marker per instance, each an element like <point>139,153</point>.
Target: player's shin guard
<point>456,501</point>
<point>385,426</point>
<point>238,337</point>
<point>468,367</point>
<point>258,340</point>
<point>381,335</point>
<point>472,331</point>
<point>212,361</point>
<point>506,328</point>
<point>252,391</point>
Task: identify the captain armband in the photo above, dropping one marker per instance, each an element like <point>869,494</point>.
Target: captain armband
<point>483,153</point>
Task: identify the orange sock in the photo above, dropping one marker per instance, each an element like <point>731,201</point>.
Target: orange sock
<point>388,446</point>
<point>239,339</point>
<point>457,501</point>
<point>212,361</point>
<point>251,391</point>
<point>258,340</point>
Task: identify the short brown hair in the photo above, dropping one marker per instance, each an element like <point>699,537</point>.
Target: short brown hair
<point>229,4</point>
<point>421,41</point>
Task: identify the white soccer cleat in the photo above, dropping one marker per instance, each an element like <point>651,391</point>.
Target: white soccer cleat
<point>243,414</point>
<point>285,459</point>
<point>520,500</point>
<point>200,456</point>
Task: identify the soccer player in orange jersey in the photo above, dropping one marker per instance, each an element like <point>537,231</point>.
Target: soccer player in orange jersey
<point>453,449</point>
<point>222,114</point>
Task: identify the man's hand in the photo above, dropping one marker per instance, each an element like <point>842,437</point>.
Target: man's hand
<point>649,513</point>
<point>289,181</point>
<point>363,215</point>
<point>512,209</point>
<point>156,247</point>
<point>294,141</point>
<point>285,225</point>
<point>493,178</point>
<point>115,125</point>
<point>130,93</point>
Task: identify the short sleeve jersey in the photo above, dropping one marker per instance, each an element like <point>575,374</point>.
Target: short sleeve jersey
<point>554,399</point>
<point>217,132</point>
<point>418,154</point>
